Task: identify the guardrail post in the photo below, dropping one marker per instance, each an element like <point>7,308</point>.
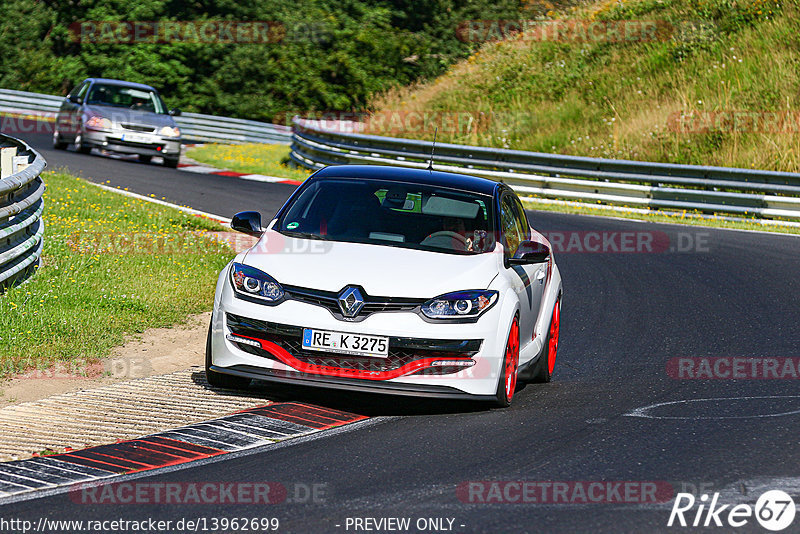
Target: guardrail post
<point>7,155</point>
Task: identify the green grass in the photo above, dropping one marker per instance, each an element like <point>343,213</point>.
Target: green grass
<point>112,266</point>
<point>621,99</point>
<point>256,158</point>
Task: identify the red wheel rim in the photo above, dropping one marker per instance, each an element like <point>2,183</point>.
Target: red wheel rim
<point>553,346</point>
<point>512,360</point>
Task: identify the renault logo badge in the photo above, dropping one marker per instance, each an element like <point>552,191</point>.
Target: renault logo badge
<point>350,301</point>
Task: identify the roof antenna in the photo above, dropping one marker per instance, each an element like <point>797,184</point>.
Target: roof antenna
<point>433,147</point>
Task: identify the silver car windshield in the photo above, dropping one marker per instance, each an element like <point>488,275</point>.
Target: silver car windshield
<point>392,214</point>
<point>121,96</point>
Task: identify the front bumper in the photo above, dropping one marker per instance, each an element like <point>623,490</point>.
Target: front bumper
<point>413,375</point>
<point>406,356</point>
<point>431,391</point>
<point>149,145</point>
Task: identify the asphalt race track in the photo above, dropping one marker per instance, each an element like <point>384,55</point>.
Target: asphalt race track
<point>717,293</point>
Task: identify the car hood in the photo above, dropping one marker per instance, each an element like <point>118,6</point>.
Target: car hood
<point>381,270</point>
<point>118,115</point>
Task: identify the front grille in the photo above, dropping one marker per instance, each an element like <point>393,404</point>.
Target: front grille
<point>138,127</point>
<point>120,142</point>
<point>402,351</point>
<point>397,358</point>
<point>330,301</point>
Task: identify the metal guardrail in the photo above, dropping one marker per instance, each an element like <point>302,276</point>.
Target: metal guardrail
<point>744,192</point>
<point>23,103</point>
<point>195,127</point>
<point>212,129</point>
<point>21,206</point>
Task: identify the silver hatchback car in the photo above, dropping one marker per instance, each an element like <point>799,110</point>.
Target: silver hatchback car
<point>124,117</point>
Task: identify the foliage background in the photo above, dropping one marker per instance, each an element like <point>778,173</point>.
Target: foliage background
<point>336,54</point>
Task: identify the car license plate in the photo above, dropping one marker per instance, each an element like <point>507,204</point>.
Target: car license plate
<point>136,138</point>
<point>344,343</point>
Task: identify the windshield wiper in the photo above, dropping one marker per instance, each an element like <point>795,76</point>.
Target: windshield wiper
<point>304,235</point>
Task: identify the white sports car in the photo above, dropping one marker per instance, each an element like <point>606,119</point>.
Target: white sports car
<point>390,280</point>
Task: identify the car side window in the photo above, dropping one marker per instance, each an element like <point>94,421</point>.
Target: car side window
<point>522,219</point>
<point>75,90</point>
<point>83,91</point>
<point>78,91</point>
<point>509,225</point>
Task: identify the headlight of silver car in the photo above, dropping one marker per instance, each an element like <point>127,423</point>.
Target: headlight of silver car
<point>98,123</point>
<point>169,131</point>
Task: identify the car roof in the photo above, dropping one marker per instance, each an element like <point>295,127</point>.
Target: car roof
<point>111,81</point>
<point>449,180</point>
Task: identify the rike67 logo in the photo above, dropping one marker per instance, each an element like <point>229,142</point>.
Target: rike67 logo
<point>774,510</point>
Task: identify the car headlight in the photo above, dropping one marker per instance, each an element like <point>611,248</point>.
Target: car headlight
<point>169,131</point>
<point>98,123</point>
<point>461,304</point>
<point>250,282</point>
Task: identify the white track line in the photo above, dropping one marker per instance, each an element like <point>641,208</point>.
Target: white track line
<point>192,211</point>
<point>200,169</point>
<point>263,178</point>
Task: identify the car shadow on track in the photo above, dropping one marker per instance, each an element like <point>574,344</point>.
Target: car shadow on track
<point>369,404</point>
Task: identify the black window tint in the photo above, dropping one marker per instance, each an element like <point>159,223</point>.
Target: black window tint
<point>83,91</point>
<point>522,219</point>
<point>123,96</point>
<point>395,214</point>
<point>79,90</point>
<point>509,225</point>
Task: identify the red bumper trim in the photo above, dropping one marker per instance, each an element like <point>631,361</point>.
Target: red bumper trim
<point>285,357</point>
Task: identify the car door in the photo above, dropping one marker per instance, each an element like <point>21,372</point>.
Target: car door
<point>539,270</point>
<point>527,280</point>
<point>69,115</point>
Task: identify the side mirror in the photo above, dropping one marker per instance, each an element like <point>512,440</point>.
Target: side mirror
<point>529,252</point>
<point>248,222</point>
<point>76,100</point>
<point>175,112</point>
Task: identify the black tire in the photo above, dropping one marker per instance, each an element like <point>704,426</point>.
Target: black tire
<point>541,372</point>
<point>58,142</point>
<point>80,147</point>
<point>221,380</point>
<point>171,163</point>
<point>144,159</point>
<point>505,395</point>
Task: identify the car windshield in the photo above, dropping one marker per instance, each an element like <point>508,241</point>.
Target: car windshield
<point>122,96</point>
<point>391,214</point>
